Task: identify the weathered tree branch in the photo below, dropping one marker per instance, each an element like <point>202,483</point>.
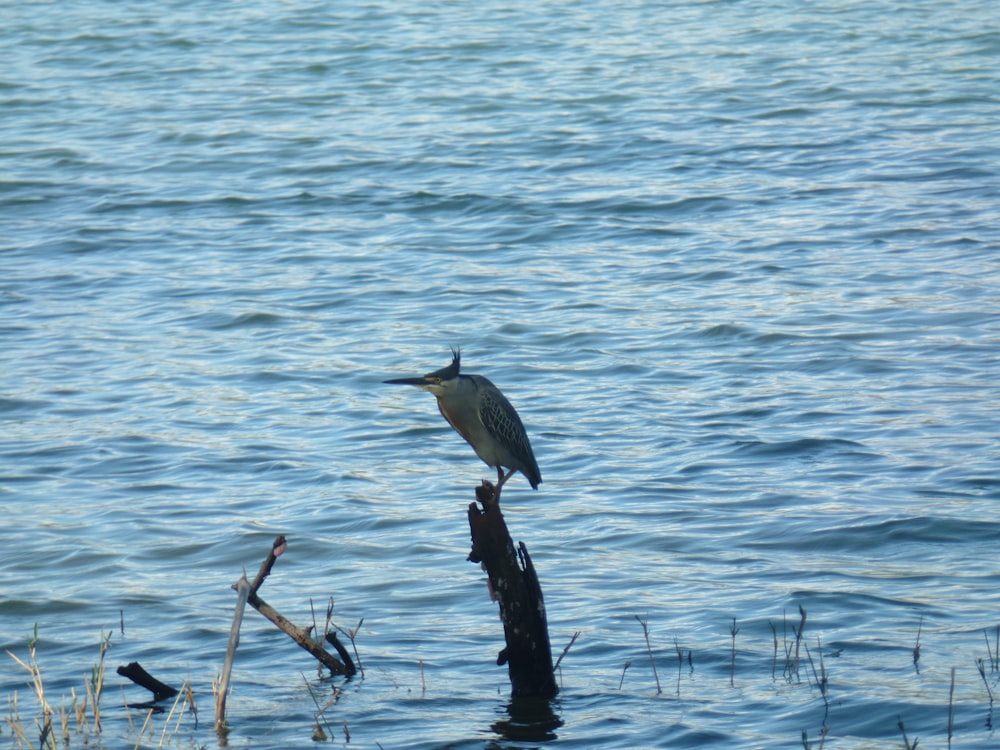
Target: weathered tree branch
<point>277,547</point>
<point>514,584</point>
<point>301,636</point>
<point>248,595</point>
<point>161,691</point>
<point>333,640</point>
<point>222,692</point>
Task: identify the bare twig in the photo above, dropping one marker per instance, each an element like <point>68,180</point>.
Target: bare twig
<point>733,630</point>
<point>566,650</point>
<point>822,739</point>
<point>996,651</point>
<point>820,677</point>
<point>792,662</point>
<point>951,706</point>
<point>680,664</point>
<point>982,673</point>
<point>799,632</point>
<point>300,635</point>
<point>624,670</point>
<point>989,651</point>
<point>182,697</point>
<point>649,650</point>
<point>243,592</point>
<point>774,658</point>
<point>333,640</point>
<point>330,628</point>
<point>277,547</point>
<point>906,740</point>
<point>318,734</point>
<point>351,636</point>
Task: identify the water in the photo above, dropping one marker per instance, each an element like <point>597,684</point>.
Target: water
<point>736,265</point>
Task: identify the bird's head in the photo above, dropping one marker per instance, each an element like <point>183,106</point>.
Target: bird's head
<point>437,382</point>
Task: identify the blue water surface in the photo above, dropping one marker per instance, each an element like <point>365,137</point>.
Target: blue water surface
<point>736,264</point>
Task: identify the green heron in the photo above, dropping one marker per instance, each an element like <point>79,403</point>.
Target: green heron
<point>482,415</point>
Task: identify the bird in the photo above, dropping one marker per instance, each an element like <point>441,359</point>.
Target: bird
<point>481,414</point>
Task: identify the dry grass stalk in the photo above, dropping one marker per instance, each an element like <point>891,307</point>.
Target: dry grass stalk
<point>649,650</point>
<point>951,706</point>
<point>319,733</point>
<point>733,630</point>
<point>46,738</point>
<point>53,726</point>
<point>564,651</point>
<point>906,740</point>
<point>982,673</point>
<point>993,654</point>
<point>822,739</point>
<point>624,670</point>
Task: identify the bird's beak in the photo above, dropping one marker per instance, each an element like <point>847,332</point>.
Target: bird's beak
<point>408,381</point>
<point>431,379</point>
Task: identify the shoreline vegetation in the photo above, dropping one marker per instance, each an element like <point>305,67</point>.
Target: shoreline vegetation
<point>34,718</point>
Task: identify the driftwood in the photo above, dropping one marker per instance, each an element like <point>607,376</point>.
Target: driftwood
<point>222,691</point>
<point>514,585</point>
<point>161,691</point>
<point>303,637</point>
<point>247,594</point>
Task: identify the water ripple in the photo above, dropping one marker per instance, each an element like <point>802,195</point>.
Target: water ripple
<point>735,266</point>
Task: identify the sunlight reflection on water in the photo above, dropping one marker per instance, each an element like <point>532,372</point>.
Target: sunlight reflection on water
<point>734,267</point>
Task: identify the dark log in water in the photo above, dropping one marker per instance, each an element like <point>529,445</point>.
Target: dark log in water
<point>161,691</point>
<point>514,585</point>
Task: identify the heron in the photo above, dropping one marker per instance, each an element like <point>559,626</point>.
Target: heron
<point>481,414</point>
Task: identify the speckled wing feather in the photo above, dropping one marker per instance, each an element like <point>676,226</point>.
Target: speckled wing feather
<point>503,422</point>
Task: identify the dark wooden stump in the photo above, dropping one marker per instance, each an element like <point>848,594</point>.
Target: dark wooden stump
<point>161,691</point>
<point>514,585</point>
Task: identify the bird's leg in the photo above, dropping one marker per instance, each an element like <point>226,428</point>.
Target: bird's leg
<point>501,480</point>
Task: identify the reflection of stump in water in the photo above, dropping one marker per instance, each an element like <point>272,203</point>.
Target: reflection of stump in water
<point>514,584</point>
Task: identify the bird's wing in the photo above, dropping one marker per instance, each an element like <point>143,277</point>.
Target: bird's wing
<point>499,417</point>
